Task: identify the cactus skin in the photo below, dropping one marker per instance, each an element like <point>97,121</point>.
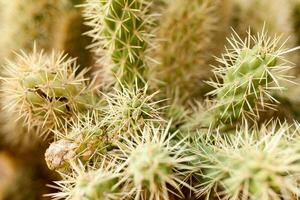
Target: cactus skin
<point>119,29</point>
<point>44,91</point>
<point>250,71</point>
<point>251,164</point>
<point>91,184</point>
<point>187,31</point>
<point>152,162</point>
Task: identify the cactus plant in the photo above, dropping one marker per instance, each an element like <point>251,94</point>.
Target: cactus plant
<point>186,32</point>
<point>120,34</point>
<point>89,184</point>
<point>44,91</point>
<point>154,166</point>
<point>277,18</point>
<point>129,110</point>
<point>85,139</point>
<point>141,130</point>
<point>249,72</point>
<point>251,164</point>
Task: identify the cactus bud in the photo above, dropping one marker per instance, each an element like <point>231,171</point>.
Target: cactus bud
<point>152,163</point>
<point>44,91</point>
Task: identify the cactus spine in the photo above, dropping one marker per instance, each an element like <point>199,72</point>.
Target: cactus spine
<point>120,146</point>
<point>129,110</point>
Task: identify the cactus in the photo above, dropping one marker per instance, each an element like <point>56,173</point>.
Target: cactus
<point>277,18</point>
<point>39,22</point>
<point>153,165</point>
<point>129,110</point>
<point>251,164</point>
<point>86,139</point>
<point>250,71</point>
<point>141,130</point>
<point>44,91</point>
<point>120,34</point>
<point>186,31</point>
<point>89,184</point>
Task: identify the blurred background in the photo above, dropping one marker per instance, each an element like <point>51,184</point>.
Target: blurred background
<point>59,25</point>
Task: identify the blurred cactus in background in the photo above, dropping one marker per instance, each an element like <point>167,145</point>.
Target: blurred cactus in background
<point>149,100</point>
<point>254,14</point>
<point>186,33</point>
<point>51,23</point>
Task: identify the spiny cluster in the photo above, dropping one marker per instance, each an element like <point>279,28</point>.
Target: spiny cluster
<point>89,184</point>
<point>249,72</point>
<point>120,146</point>
<point>84,139</point>
<point>120,33</point>
<point>147,166</point>
<point>44,91</point>
<point>155,166</point>
<point>129,110</point>
<point>251,164</point>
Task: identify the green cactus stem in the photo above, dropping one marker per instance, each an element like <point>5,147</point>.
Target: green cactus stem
<point>121,38</point>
